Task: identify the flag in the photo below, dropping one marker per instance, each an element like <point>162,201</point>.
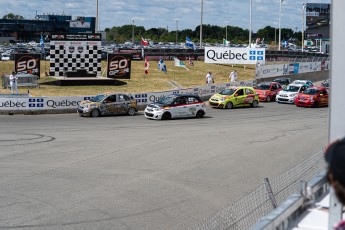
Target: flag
<point>190,44</point>
<point>42,42</point>
<point>162,66</point>
<point>147,66</point>
<point>144,42</point>
<point>179,63</point>
<point>226,42</point>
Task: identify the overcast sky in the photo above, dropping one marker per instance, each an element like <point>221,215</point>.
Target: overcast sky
<point>163,13</point>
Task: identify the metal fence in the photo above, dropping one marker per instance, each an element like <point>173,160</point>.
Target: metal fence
<point>256,204</point>
<point>278,60</point>
<point>27,80</point>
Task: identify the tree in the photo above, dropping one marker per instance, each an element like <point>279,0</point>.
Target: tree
<point>12,16</point>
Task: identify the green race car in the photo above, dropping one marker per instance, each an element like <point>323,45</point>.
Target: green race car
<point>230,97</point>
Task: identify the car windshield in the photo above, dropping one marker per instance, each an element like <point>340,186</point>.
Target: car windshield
<point>311,91</point>
<point>290,88</point>
<point>228,91</point>
<point>98,98</point>
<point>263,87</point>
<point>166,100</point>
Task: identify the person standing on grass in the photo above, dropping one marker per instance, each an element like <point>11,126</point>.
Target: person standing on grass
<point>233,76</point>
<point>209,78</point>
<point>14,82</point>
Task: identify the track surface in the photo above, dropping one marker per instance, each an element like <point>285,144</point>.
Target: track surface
<point>67,172</point>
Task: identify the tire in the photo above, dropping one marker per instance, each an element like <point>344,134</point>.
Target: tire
<point>131,111</point>
<point>268,99</point>
<point>200,114</point>
<point>255,104</point>
<point>95,113</point>
<point>316,104</point>
<point>229,105</point>
<point>166,116</point>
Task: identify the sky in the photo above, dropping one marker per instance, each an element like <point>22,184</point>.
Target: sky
<point>169,14</point>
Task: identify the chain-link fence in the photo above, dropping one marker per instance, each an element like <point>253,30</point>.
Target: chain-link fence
<point>248,210</point>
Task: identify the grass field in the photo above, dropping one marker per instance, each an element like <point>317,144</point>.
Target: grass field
<point>156,80</point>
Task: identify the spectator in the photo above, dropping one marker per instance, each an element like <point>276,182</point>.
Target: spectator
<point>335,158</point>
<point>233,76</point>
<point>209,78</point>
<point>14,82</point>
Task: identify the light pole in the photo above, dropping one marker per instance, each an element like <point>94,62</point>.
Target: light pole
<point>280,30</point>
<point>226,30</point>
<point>250,23</point>
<point>96,27</point>
<point>303,9</point>
<point>132,31</point>
<point>201,13</point>
<point>176,29</point>
<point>275,33</point>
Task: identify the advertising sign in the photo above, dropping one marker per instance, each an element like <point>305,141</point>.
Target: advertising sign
<point>119,66</point>
<point>27,63</point>
<point>226,55</point>
<point>317,20</point>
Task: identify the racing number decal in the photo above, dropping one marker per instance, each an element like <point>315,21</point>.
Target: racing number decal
<point>119,66</point>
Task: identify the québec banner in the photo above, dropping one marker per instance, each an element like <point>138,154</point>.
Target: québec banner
<point>230,55</point>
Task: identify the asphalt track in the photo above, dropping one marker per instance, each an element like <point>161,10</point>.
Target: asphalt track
<point>62,171</point>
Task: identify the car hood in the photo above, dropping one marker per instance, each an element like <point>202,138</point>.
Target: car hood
<point>218,96</point>
<point>260,91</point>
<point>89,103</point>
<point>286,92</point>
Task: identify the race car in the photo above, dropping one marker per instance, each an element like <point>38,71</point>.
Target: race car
<point>313,97</point>
<point>176,106</point>
<point>268,90</point>
<point>235,97</point>
<point>289,93</point>
<point>108,104</point>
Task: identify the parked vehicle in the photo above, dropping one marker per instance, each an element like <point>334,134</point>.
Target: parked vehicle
<point>5,57</point>
<point>267,91</point>
<point>242,96</point>
<point>290,92</point>
<point>108,104</point>
<point>176,106</point>
<point>313,97</point>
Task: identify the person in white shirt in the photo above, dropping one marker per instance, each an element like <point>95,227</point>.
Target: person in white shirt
<point>233,76</point>
<point>209,78</point>
<point>13,82</point>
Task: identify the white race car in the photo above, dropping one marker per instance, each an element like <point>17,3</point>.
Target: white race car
<point>289,93</point>
<point>176,106</point>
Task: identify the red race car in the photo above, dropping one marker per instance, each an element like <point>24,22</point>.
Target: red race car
<point>313,97</point>
<point>268,90</point>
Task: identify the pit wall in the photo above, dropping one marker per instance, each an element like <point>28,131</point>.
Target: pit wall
<point>52,105</point>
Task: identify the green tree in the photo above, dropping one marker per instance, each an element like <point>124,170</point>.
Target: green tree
<point>12,16</point>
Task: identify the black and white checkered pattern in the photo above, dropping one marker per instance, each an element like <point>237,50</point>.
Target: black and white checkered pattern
<point>62,60</point>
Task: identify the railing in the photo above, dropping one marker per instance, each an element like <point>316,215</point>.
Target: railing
<point>256,204</point>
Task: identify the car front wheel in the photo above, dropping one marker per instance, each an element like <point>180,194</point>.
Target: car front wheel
<point>131,111</point>
<point>95,113</point>
<point>229,105</point>
<point>255,104</point>
<point>166,116</point>
<point>200,114</point>
<point>268,99</point>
